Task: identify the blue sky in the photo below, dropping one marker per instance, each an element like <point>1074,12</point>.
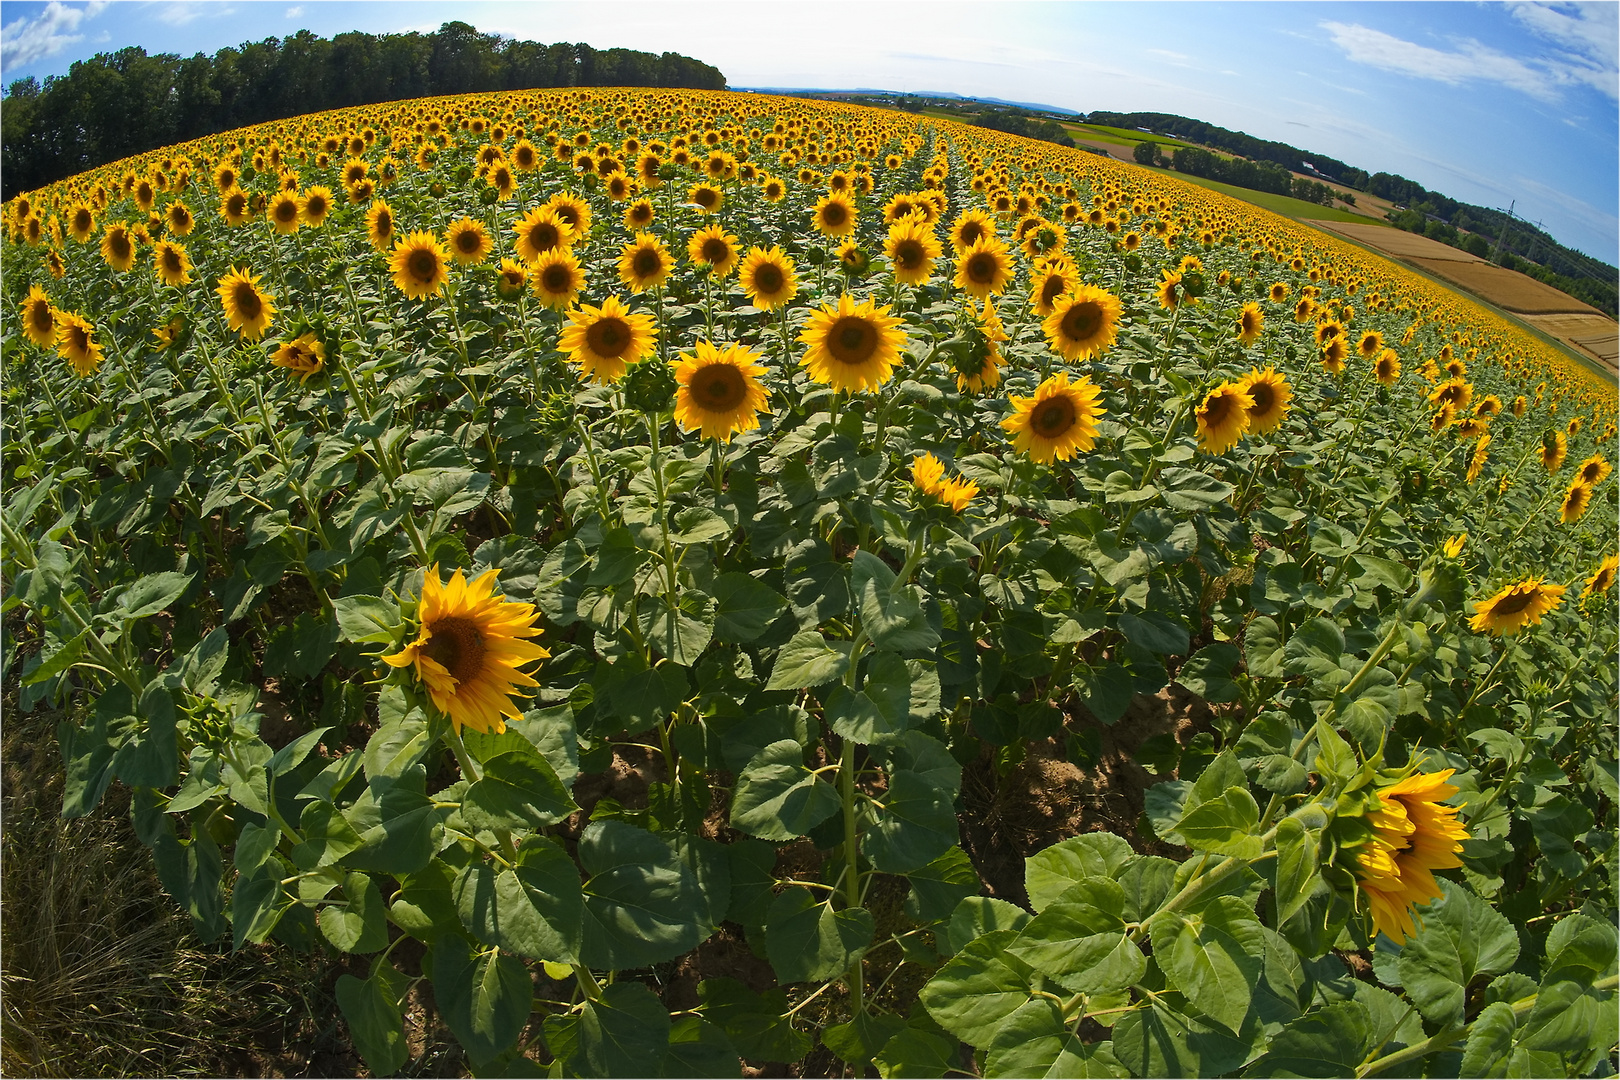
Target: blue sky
<point>1486,103</point>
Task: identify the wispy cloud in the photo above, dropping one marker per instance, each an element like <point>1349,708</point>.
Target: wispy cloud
<point>25,40</point>
<point>1472,62</point>
<point>1586,38</point>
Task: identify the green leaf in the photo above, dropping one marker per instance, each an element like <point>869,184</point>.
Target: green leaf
<point>366,619</point>
<point>1490,1041</point>
<point>975,992</point>
<point>424,906</point>
<point>1263,649</point>
<point>533,909</point>
<point>518,790</point>
<point>1081,946</point>
<point>1214,956</point>
<point>1158,1041</point>
<point>1581,942</point>
<point>881,708</point>
<point>1052,871</point>
<point>916,824</point>
<point>1462,936</point>
<point>1295,872</point>
<point>757,1023</point>
<point>1155,632</point>
<point>1314,649</point>
<point>643,903</point>
<point>405,830</point>
<point>681,632</point>
<point>623,1031</point>
<point>976,916</point>
<point>1568,1018</point>
<point>65,656</point>
<point>745,607</point>
<point>150,755</point>
<point>859,1040</point>
<point>1035,1042</point>
<point>916,1055</point>
<point>806,660</point>
<point>891,613</point>
<point>699,1049</point>
<point>617,559</point>
<point>328,836</point>
<point>806,941</point>
<point>1328,1042</point>
<point>937,888</point>
<point>1220,815</point>
<point>778,798</point>
<point>302,648</point>
<point>485,998</point>
<point>151,594</point>
<point>359,925</point>
<point>698,525</point>
<point>1208,672</point>
<point>256,905</point>
<point>1189,489</point>
<point>375,1022</point>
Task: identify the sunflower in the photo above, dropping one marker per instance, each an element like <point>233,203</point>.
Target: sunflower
<point>834,215</point>
<point>380,225</point>
<point>1519,405</point>
<point>928,477</point>
<point>1593,471</point>
<point>234,207</point>
<point>1050,280</point>
<point>1413,835</point>
<point>1602,578</point>
<point>852,347</point>
<point>39,318</point>
<point>304,357</point>
<point>1515,607</point>
<point>604,341</point>
<point>639,214</point>
<point>715,248</point>
<point>1476,460</point>
<point>1488,406</point>
<point>1271,395</point>
<point>1576,501</point>
<point>1058,420</point>
<point>285,212</point>
<point>556,278</point>
<point>719,392</point>
<point>1387,367</point>
<point>1083,323</point>
<point>539,231</point>
<point>179,220</point>
<point>172,263</point>
<point>1251,320</point>
<point>912,249</point>
<point>247,308</point>
<point>970,227</point>
<point>706,197</point>
<point>1223,418</point>
<point>981,369</point>
<point>1333,355</point>
<point>1554,448</point>
<point>81,222</point>
<point>984,267</point>
<point>1304,310</point>
<point>469,243</point>
<point>315,206</point>
<point>75,343</point>
<point>470,648</point>
<point>767,276</point>
<point>573,210</point>
<point>118,247</point>
<point>418,263</point>
<point>1169,290</point>
<point>1279,292</point>
<point>510,279</point>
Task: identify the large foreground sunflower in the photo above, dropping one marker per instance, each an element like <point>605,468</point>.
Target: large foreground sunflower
<point>853,346</point>
<point>470,648</point>
<point>606,340</point>
<point>1515,607</point>
<point>418,264</point>
<point>719,390</point>
<point>1413,835</point>
<point>248,309</point>
<point>1084,323</point>
<point>1058,420</point>
<point>1223,417</point>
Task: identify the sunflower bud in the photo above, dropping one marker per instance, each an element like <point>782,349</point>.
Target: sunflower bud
<point>650,385</point>
<point>464,174</point>
<point>437,189</point>
<point>1133,263</point>
<point>488,196</point>
<point>1192,283</point>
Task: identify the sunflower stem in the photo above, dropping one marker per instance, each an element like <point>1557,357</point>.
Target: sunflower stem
<point>469,769</point>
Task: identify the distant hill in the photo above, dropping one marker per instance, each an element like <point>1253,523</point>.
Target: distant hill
<point>1057,110</point>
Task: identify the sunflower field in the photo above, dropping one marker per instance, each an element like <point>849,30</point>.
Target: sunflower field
<point>606,567</point>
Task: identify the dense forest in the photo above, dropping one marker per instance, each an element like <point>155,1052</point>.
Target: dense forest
<point>1489,233</point>
<point>122,103</point>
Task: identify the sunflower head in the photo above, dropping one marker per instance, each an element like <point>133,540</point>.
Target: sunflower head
<point>911,249</point>
<point>470,648</point>
<point>605,340</point>
<point>1223,417</point>
<point>1084,323</point>
<point>555,278</point>
<point>1554,448</point>
<point>1251,320</point>
<point>834,214</point>
<point>1602,578</point>
<point>1407,834</point>
<point>419,264</point>
<point>718,392</point>
<point>76,343</point>
<point>248,309</point>
<point>984,268</point>
<point>1058,420</point>
<point>1515,607</point>
<point>768,277</point>
<point>539,231</point>
<point>715,248</point>
<point>302,356</point>
<point>1271,395</point>
<point>1576,501</point>
<point>469,243</point>
<point>39,318</point>
<point>853,346</point>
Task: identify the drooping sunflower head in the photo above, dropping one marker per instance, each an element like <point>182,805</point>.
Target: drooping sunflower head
<point>556,278</point>
<point>1488,406</point>
<point>1333,356</point>
<point>469,243</point>
<point>302,357</point>
<point>1169,290</point>
<point>76,343</point>
<point>912,249</point>
<point>1049,283</point>
<point>768,277</point>
<point>853,346</point>
<point>1251,320</point>
<point>714,248</point>
<point>510,279</point>
<point>1515,606</point>
<point>1554,448</point>
<point>604,341</point>
<point>1083,323</point>
<point>1223,417</point>
<point>248,309</point>
<point>1411,834</point>
<point>1304,310</point>
<point>718,390</point>
<point>470,648</point>
<point>1058,420</point>
<point>234,207</point>
<point>1602,578</point>
<point>39,318</point>
<point>419,264</point>
<point>1271,394</point>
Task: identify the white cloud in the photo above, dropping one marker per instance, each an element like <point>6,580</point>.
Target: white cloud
<point>1471,62</point>
<point>294,12</point>
<point>26,40</point>
<point>1587,37</point>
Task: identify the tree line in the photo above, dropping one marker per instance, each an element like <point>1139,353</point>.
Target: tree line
<point>1024,123</point>
<point>1483,231</point>
<point>127,102</point>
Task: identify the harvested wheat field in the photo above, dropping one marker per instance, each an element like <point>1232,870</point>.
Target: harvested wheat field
<point>1592,334</point>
